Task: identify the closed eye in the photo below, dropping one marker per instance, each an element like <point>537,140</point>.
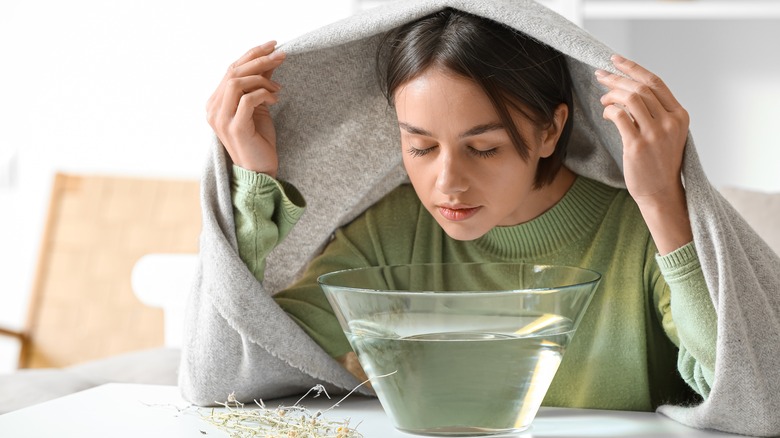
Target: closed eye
<point>483,154</point>
<point>414,152</point>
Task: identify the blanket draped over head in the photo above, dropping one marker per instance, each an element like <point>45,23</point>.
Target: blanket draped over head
<point>338,143</point>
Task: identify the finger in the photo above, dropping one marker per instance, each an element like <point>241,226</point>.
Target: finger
<point>248,84</point>
<point>631,102</point>
<point>259,66</point>
<point>245,84</point>
<point>236,88</point>
<point>269,73</point>
<point>632,90</point>
<point>646,77</point>
<point>255,52</point>
<point>250,101</point>
<point>622,120</point>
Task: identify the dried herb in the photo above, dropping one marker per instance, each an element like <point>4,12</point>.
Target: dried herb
<point>284,421</point>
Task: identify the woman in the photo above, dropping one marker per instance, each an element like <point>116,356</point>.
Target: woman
<point>485,115</point>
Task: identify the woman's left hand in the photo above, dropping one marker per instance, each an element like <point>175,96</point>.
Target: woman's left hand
<point>653,125</point>
<point>654,129</point>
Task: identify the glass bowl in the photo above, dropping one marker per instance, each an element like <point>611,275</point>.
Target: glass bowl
<point>460,349</point>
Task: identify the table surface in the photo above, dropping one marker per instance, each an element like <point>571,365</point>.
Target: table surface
<point>129,410</point>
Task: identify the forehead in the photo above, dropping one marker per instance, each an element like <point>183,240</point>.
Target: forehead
<point>440,81</point>
<point>437,94</point>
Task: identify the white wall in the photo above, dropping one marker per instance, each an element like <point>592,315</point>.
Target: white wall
<point>726,73</point>
<point>115,87</point>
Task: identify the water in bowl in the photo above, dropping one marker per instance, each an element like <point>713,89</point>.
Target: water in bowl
<point>481,376</point>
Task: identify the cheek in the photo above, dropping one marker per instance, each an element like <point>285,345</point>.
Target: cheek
<point>408,164</point>
<point>508,173</point>
<point>415,168</point>
<point>415,171</point>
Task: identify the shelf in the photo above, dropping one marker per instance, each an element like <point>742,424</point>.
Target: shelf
<point>679,10</point>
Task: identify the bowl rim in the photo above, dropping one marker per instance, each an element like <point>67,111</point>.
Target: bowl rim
<point>321,280</point>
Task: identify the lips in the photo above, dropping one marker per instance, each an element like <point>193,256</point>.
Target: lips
<point>457,213</point>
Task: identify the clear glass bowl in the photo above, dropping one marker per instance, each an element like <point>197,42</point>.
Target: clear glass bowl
<point>460,349</point>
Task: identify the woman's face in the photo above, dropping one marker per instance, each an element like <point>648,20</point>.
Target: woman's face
<point>461,160</point>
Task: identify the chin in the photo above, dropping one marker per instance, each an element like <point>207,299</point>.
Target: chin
<point>462,233</point>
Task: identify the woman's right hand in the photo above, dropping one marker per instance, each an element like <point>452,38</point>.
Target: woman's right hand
<point>238,109</point>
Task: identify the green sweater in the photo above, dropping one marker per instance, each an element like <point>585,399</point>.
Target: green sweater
<point>650,323</point>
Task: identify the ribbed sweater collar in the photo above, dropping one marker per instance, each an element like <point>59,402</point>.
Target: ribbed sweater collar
<point>575,215</point>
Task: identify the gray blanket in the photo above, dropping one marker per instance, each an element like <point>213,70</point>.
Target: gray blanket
<point>338,144</point>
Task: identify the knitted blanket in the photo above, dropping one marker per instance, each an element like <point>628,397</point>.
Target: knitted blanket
<point>338,143</point>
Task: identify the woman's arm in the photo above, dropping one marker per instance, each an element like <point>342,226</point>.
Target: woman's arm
<point>654,129</point>
<point>687,315</point>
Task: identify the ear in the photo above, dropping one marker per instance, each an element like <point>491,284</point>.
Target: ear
<point>552,133</point>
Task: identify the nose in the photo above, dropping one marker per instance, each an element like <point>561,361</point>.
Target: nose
<point>452,176</point>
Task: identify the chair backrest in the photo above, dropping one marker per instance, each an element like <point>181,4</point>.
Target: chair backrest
<point>82,304</point>
<point>760,209</point>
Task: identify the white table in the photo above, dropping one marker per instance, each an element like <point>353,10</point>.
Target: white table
<point>135,411</point>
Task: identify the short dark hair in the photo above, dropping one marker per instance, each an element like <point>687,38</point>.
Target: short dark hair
<point>512,68</point>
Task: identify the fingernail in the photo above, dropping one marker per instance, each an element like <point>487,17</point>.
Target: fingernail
<point>276,85</point>
<point>617,58</point>
<point>277,54</point>
<point>601,73</point>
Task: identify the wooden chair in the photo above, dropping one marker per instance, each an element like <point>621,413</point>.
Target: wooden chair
<point>82,305</point>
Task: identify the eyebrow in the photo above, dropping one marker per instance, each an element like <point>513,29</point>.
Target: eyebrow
<point>476,130</point>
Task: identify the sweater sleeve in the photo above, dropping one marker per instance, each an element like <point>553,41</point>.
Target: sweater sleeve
<point>358,244</point>
<point>688,316</point>
<point>265,210</point>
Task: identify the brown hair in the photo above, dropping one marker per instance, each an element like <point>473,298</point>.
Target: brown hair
<point>513,69</point>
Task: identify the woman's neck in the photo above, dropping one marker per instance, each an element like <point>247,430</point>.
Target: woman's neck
<point>549,195</point>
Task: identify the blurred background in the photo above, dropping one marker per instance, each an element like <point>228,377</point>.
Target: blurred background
<point>119,88</point>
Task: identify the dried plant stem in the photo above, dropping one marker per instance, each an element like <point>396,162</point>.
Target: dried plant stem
<point>356,388</point>
<point>283,422</point>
